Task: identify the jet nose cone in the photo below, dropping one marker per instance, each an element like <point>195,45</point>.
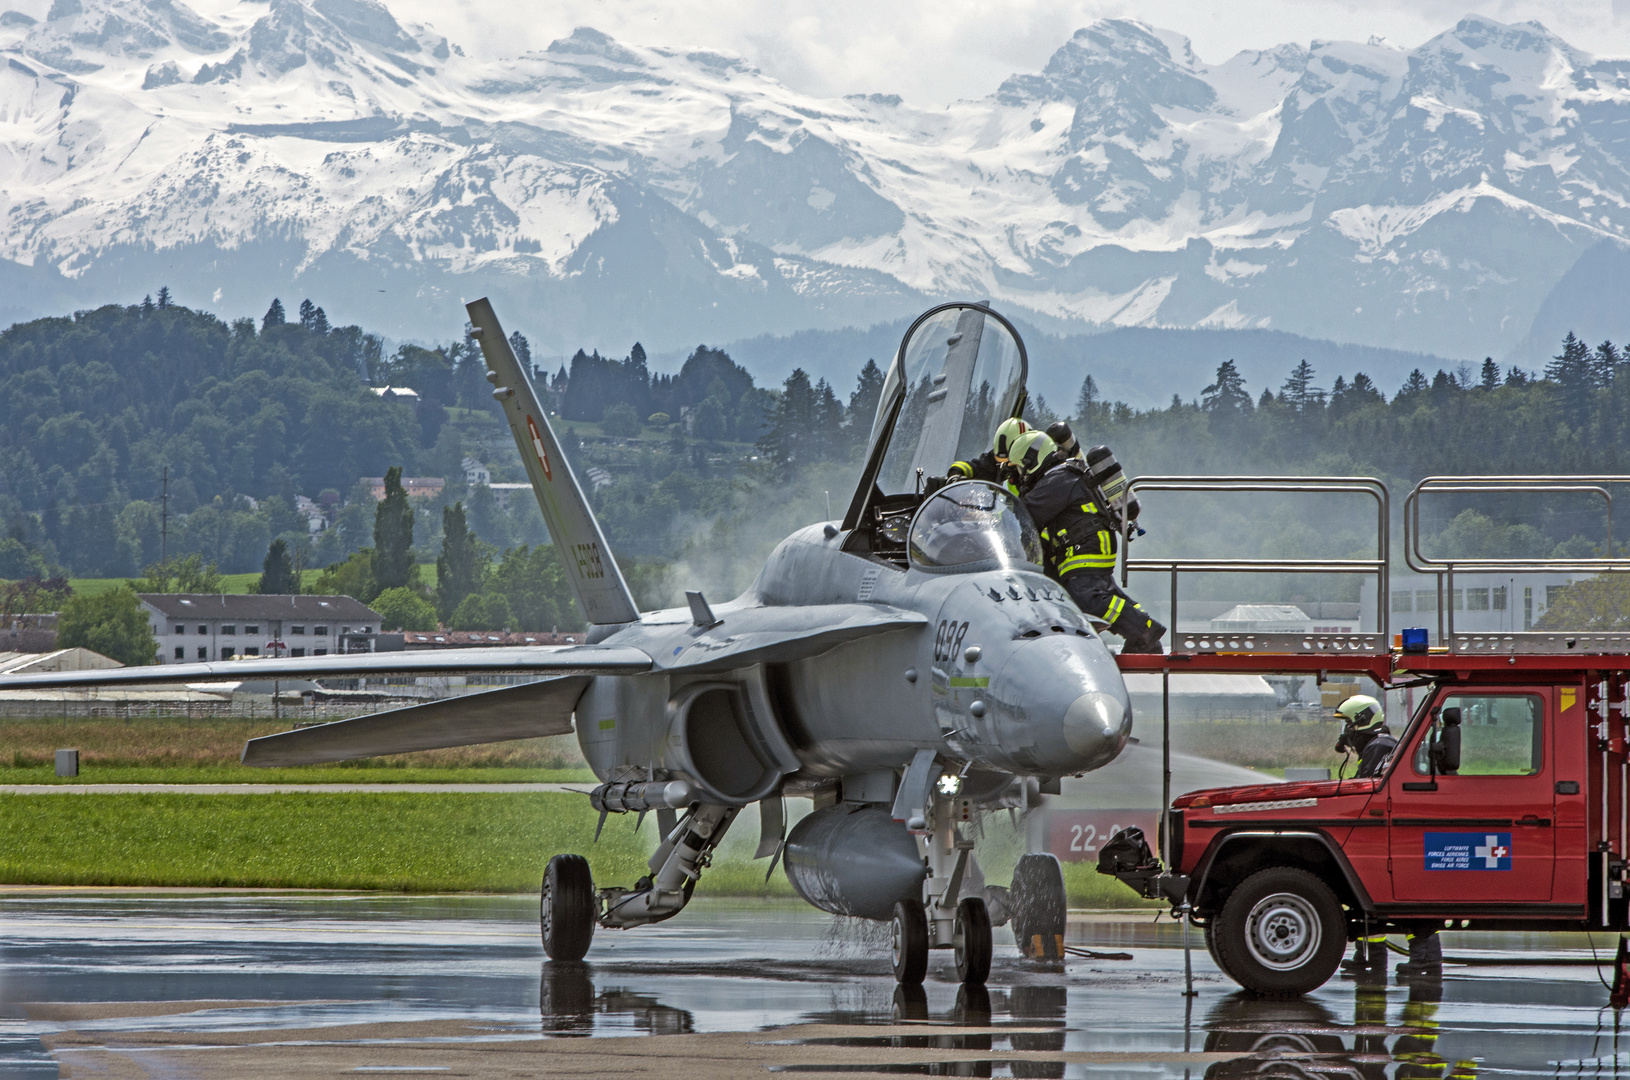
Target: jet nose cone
<point>1061,705</point>
<point>1096,726</point>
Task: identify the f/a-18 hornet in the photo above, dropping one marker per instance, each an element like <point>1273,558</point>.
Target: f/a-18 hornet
<point>906,668</point>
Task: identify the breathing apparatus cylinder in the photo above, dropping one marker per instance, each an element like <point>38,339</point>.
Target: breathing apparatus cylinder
<point>1059,431</point>
<point>1109,478</point>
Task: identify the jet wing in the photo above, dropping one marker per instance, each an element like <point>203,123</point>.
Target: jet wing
<point>519,660</point>
<point>511,712</point>
<point>778,635</point>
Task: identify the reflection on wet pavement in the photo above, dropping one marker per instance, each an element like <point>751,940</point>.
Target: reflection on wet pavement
<point>244,986</point>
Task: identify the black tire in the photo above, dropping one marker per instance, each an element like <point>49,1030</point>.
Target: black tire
<point>908,944</point>
<point>970,940</point>
<point>566,911</point>
<point>1280,933</point>
<point>1211,939</point>
<point>1039,907</point>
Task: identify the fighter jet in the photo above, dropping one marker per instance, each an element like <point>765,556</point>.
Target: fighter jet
<point>906,668</point>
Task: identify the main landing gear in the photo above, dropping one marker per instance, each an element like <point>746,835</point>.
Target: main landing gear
<point>571,907</point>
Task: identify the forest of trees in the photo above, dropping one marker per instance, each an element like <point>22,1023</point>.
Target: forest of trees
<point>707,469</point>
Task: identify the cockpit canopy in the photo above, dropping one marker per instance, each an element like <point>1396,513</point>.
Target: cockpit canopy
<point>958,375</point>
<point>960,370</point>
<point>973,525</point>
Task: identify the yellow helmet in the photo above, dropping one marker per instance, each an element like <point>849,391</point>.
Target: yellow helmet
<point>1010,430</point>
<point>1362,713</point>
<point>1030,450</point>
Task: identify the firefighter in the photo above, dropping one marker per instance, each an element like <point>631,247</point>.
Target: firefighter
<point>1080,538</point>
<point>988,466</point>
<point>1365,733</point>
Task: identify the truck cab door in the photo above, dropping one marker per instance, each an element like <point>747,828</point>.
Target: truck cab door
<point>1485,835</point>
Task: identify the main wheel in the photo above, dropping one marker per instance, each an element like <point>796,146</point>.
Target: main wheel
<point>1280,933</point>
<point>909,942</point>
<point>970,940</point>
<point>1039,907</point>
<point>566,914</point>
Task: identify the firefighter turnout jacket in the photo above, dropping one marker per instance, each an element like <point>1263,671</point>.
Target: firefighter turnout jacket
<point>983,467</point>
<point>1373,758</point>
<point>1077,533</point>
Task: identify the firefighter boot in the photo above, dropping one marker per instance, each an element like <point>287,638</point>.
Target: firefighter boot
<point>1425,957</point>
<point>1369,954</point>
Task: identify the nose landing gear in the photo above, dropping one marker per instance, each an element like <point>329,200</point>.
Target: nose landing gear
<point>943,918</point>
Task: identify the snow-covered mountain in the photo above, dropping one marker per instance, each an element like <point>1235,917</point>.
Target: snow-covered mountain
<point>1427,199</point>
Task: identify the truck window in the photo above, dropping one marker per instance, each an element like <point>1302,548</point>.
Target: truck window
<point>1500,735</point>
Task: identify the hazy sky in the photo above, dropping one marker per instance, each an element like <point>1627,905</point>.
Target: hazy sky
<point>934,51</point>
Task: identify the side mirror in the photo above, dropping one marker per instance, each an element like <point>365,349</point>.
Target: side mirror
<point>1446,748</point>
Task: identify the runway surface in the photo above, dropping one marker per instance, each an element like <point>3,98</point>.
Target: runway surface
<point>202,986</point>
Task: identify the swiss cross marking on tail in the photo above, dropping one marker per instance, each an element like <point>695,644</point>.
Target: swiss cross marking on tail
<point>537,447</point>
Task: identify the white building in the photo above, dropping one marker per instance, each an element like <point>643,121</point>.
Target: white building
<point>476,473</point>
<point>195,627</point>
<point>1481,602</point>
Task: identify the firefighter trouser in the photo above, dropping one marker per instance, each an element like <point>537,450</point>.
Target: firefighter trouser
<point>1097,594</point>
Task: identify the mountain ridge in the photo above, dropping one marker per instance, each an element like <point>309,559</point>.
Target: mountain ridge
<point>1426,201</point>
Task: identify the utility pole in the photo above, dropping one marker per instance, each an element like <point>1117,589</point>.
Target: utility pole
<point>164,520</point>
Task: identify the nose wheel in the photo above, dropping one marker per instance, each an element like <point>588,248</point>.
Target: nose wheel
<point>970,941</point>
<point>908,944</point>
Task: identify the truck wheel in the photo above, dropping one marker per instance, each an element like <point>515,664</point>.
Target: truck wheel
<point>1039,907</point>
<point>1211,940</point>
<point>909,942</point>
<point>566,913</point>
<point>970,939</point>
<point>1280,933</point>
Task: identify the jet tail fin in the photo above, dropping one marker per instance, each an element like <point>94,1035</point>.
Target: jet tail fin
<point>584,553</point>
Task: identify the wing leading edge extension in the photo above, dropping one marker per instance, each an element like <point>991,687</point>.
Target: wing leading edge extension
<point>782,634</point>
<point>511,712</point>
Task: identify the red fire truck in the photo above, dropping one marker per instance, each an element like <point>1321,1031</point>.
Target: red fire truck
<point>1506,805</point>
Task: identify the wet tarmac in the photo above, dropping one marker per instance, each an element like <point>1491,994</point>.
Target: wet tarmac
<point>291,986</point>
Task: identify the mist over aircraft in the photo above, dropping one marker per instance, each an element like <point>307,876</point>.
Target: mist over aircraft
<point>906,668</point>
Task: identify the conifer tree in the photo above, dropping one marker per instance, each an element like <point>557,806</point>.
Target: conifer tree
<point>163,297</point>
<point>277,576</point>
<point>1491,374</point>
<point>460,566</point>
<point>274,316</point>
<point>393,535</point>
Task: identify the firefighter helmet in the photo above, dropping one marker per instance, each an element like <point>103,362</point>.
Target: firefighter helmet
<point>1030,450</point>
<point>1362,713</point>
<point>1010,430</point>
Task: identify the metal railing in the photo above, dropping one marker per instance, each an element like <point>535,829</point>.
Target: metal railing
<point>1444,570</point>
<point>1377,567</point>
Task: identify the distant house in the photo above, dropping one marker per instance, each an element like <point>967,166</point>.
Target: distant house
<point>503,493</point>
<point>194,627</point>
<point>397,393</point>
<point>415,486</point>
<point>315,515</point>
<point>476,473</point>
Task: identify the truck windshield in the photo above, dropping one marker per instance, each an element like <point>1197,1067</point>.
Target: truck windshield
<point>973,523</point>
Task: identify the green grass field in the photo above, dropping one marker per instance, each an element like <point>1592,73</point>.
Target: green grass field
<point>232,584</point>
<point>377,840</point>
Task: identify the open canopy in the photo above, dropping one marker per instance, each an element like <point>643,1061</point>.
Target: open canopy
<point>958,374</point>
